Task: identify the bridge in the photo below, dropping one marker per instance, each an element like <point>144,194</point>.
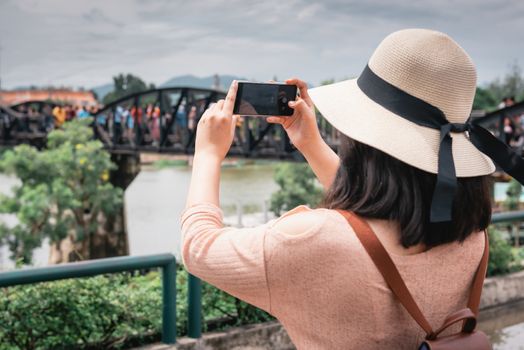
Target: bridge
<point>159,120</point>
<point>164,121</point>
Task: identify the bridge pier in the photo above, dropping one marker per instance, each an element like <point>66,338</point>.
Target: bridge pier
<point>128,167</point>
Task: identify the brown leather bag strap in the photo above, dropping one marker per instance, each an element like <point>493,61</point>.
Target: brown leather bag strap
<point>478,281</point>
<point>465,315</point>
<point>387,268</point>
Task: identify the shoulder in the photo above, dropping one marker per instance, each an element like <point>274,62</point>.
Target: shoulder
<point>318,230</point>
<point>472,248</point>
<point>300,221</point>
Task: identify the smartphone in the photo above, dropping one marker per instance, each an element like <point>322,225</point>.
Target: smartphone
<point>259,99</point>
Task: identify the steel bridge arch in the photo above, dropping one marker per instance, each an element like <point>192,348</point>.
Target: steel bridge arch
<point>177,119</point>
<point>38,105</point>
<point>169,126</point>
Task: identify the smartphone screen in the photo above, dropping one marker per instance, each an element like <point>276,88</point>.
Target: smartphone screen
<point>264,99</point>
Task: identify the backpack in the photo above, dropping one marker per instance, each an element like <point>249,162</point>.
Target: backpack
<point>468,338</point>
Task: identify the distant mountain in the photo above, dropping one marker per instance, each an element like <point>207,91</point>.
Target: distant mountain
<point>204,82</point>
<point>187,80</point>
<point>22,87</point>
<point>103,90</point>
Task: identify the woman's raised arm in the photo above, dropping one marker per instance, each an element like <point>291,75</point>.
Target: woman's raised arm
<point>303,132</point>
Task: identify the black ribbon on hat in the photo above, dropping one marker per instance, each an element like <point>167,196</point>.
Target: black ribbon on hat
<point>424,114</point>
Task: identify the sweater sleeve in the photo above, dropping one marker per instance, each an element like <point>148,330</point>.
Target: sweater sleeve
<point>231,259</point>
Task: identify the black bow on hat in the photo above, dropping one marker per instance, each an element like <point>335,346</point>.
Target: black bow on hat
<point>424,114</point>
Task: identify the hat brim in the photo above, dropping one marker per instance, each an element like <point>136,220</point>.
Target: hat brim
<point>354,114</point>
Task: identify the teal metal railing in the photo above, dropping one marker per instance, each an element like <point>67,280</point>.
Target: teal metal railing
<point>168,264</point>
<point>508,216</point>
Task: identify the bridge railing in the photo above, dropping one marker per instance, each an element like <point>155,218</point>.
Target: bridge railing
<point>159,120</point>
<point>164,120</point>
<point>495,121</point>
<point>168,264</point>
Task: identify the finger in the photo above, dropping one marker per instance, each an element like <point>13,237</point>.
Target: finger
<point>234,123</point>
<point>299,105</point>
<point>219,105</point>
<point>228,106</point>
<point>302,87</point>
<point>275,120</point>
<point>208,111</point>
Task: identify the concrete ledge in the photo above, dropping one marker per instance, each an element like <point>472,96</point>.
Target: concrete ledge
<point>502,290</point>
<point>498,291</point>
<point>262,336</point>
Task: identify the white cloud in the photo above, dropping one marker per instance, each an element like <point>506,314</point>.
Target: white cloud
<point>309,11</point>
<point>86,42</point>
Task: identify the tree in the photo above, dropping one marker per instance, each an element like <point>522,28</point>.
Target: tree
<point>512,202</point>
<point>485,100</point>
<point>64,195</point>
<point>125,85</point>
<point>298,185</point>
<point>501,258</point>
<point>513,194</point>
<point>512,85</point>
<point>327,81</point>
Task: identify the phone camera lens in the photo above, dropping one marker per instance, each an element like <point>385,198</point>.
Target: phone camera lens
<point>284,100</point>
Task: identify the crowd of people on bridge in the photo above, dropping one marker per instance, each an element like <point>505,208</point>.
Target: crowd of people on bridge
<point>513,127</point>
<point>126,123</point>
<point>131,124</point>
<point>38,118</point>
<point>61,114</point>
<point>149,124</point>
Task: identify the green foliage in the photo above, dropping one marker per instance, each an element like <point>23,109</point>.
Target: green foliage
<point>64,190</point>
<point>512,84</point>
<point>168,163</point>
<point>125,85</point>
<point>501,257</point>
<point>298,185</point>
<point>327,81</point>
<point>485,100</point>
<point>513,194</point>
<point>106,312</point>
<point>88,313</point>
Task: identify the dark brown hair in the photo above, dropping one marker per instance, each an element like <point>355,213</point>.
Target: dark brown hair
<point>375,185</point>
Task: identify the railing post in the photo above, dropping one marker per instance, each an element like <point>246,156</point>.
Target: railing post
<point>194,307</point>
<point>169,303</point>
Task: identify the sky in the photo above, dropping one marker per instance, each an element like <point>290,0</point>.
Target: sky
<point>84,43</point>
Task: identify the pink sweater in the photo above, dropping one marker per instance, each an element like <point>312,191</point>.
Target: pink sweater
<point>321,284</point>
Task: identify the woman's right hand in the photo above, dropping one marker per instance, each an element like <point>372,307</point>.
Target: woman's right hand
<point>303,132</point>
<point>301,127</point>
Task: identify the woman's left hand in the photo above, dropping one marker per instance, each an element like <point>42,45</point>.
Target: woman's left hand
<point>216,128</point>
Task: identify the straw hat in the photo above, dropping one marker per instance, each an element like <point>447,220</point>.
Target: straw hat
<point>428,65</point>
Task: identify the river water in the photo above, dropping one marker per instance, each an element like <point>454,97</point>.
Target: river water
<point>156,198</point>
<point>505,326</point>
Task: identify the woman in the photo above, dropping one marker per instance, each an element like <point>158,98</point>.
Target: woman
<point>405,144</point>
